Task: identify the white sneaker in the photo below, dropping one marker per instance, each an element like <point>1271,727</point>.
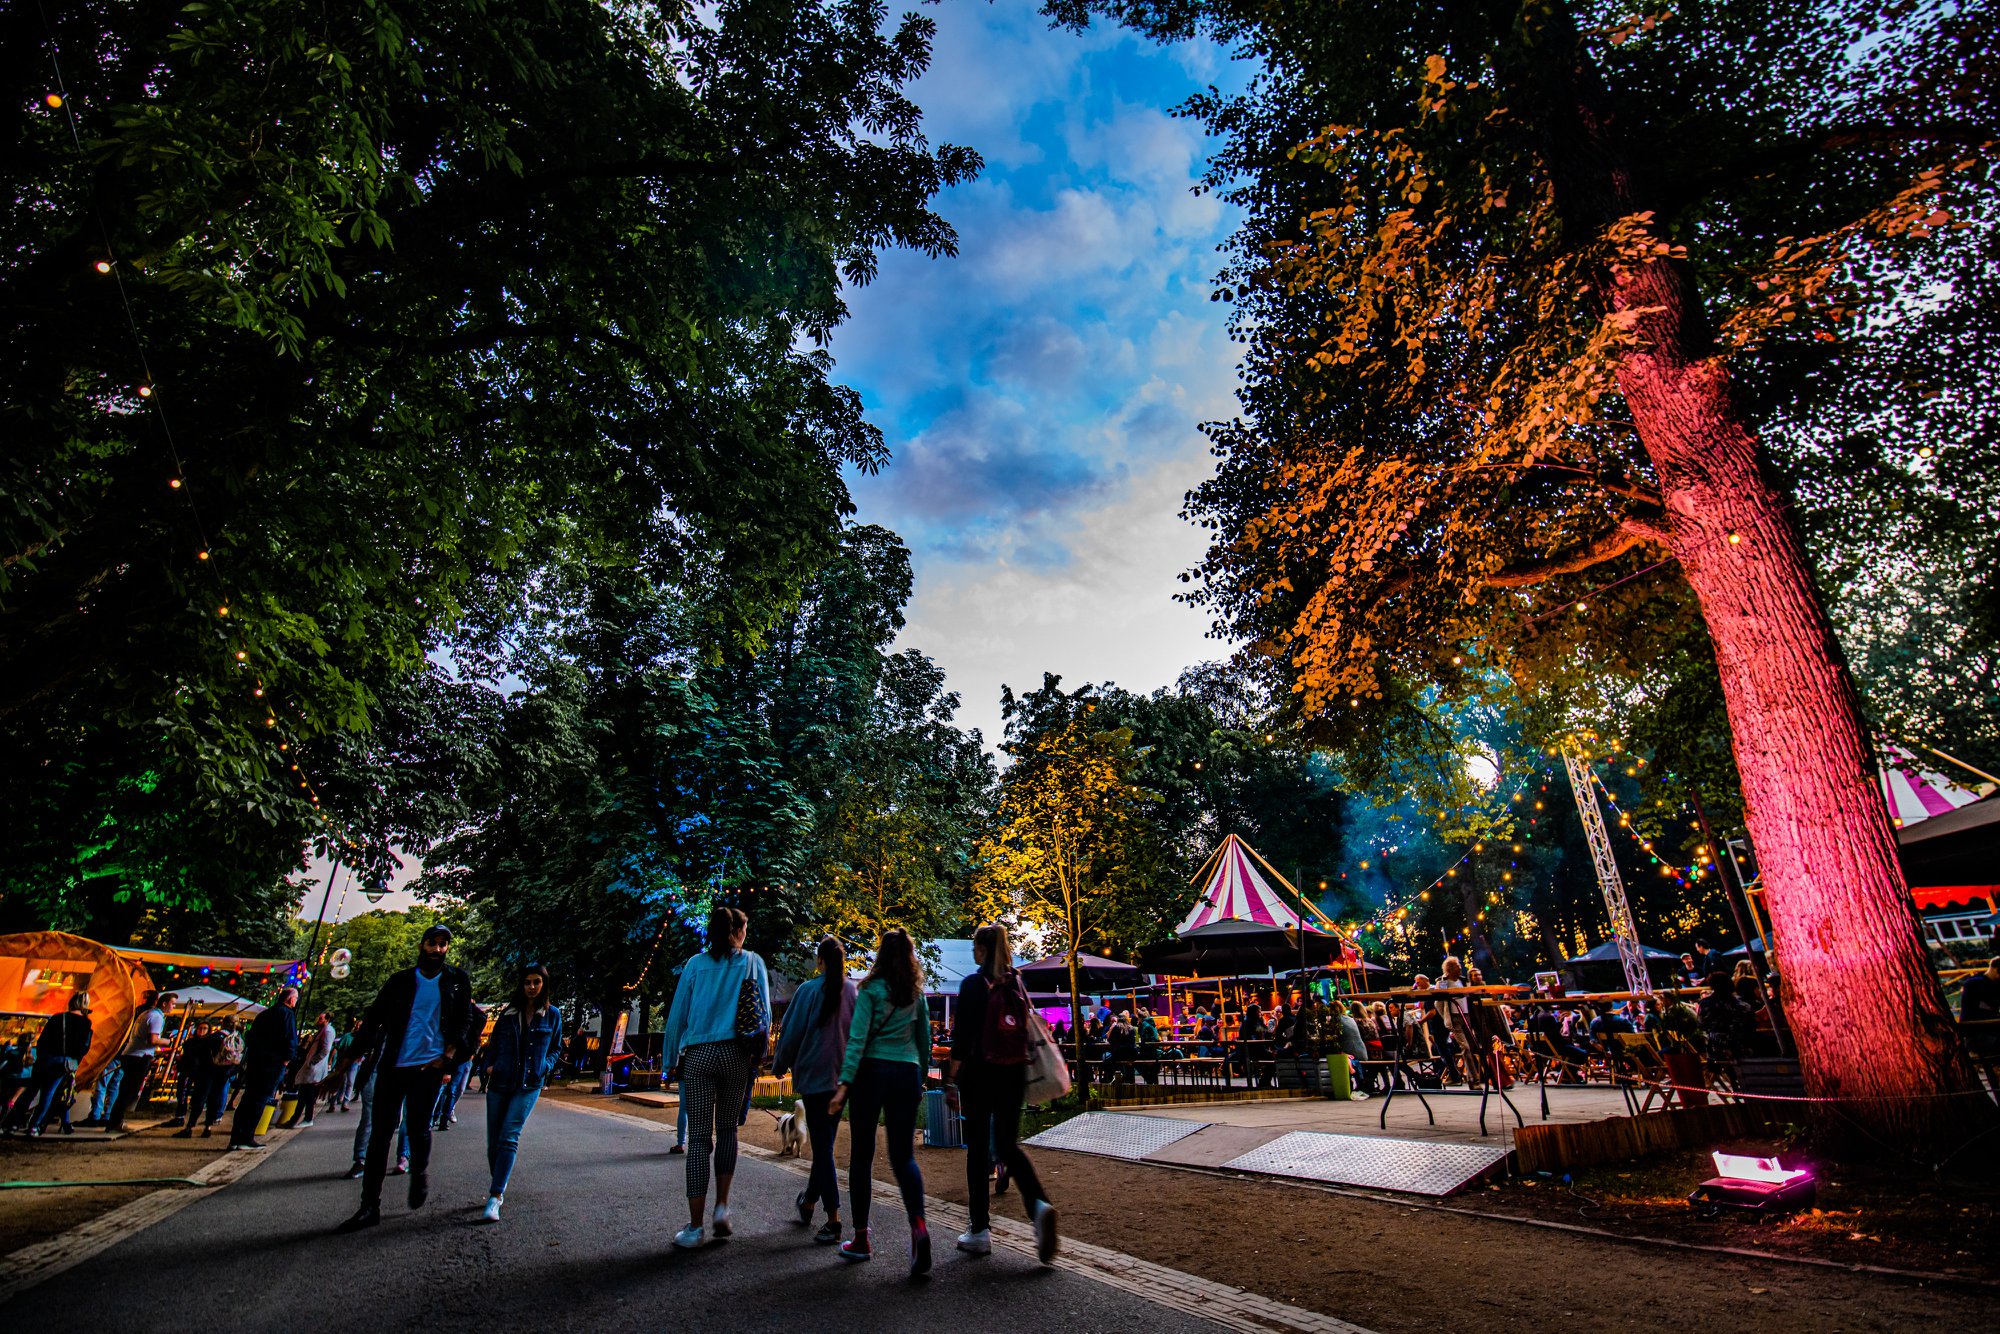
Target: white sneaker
<point>1358,1096</point>
<point>305,1125</point>
<point>976,1243</point>
<point>492,1214</point>
<point>718,1221</point>
<point>690,1237</point>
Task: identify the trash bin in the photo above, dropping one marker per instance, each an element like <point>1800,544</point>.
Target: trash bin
<point>944,1128</point>
<point>1339,1083</point>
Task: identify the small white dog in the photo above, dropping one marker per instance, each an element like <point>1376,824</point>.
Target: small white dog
<point>791,1129</point>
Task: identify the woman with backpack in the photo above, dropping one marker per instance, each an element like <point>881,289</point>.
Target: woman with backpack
<point>989,1058</point>
<point>515,1064</point>
<point>811,1047</point>
<point>888,1050</point>
<point>715,1034</point>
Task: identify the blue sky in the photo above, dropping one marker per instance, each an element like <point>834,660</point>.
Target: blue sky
<point>1041,391</point>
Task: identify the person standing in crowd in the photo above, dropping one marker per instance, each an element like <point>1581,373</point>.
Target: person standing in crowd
<point>424,1019</point>
<point>888,1050</point>
<point>105,1094</point>
<point>190,1070</point>
<point>64,1040</point>
<point>454,1089</point>
<point>268,1051</point>
<point>811,1047</point>
<point>197,1076</point>
<point>314,1064</point>
<point>708,1043</point>
<point>137,1062</point>
<point>989,1062</point>
<point>343,1064</point>
<point>1458,1019</point>
<point>515,1065</point>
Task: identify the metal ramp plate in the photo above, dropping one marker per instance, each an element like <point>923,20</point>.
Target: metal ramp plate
<point>1421,1167</point>
<point>1116,1134</point>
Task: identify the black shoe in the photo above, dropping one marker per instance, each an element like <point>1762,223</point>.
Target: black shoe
<point>119,1128</point>
<point>420,1189</point>
<point>186,1132</point>
<point>356,1172</point>
<point>368,1216</point>
<point>805,1210</point>
<point>677,1148</point>
<point>1000,1179</point>
<point>920,1250</point>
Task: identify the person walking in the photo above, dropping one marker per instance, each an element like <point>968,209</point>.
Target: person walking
<point>268,1050</point>
<point>137,1062</point>
<point>61,1046</point>
<point>989,1060</point>
<point>811,1047</point>
<point>104,1095</point>
<point>712,1041</point>
<point>424,1019</point>
<point>315,1063</point>
<point>888,1050</point>
<point>515,1066</point>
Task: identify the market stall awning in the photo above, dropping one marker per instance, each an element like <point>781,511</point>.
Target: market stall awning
<point>1914,792</point>
<point>209,1001</point>
<point>1229,948</point>
<point>1608,953</point>
<point>171,971</point>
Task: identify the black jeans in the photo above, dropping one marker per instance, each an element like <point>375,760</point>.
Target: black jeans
<point>823,1185</point>
<point>398,1088</point>
<point>260,1081</point>
<point>990,1096</point>
<point>892,1090</point>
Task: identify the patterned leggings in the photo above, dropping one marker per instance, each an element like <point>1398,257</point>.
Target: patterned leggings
<point>714,1080</point>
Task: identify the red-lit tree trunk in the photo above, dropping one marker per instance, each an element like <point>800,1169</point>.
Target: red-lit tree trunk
<point>1873,1031</point>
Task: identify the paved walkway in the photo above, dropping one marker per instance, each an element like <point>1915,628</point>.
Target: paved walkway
<point>585,1244</point>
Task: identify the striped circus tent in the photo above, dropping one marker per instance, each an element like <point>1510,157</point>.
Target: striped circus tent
<point>1235,890</point>
<point>1913,791</point>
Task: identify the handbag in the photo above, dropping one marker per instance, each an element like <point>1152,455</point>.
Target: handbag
<point>1048,1072</point>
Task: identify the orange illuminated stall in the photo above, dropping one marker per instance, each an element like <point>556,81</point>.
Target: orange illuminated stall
<point>41,970</point>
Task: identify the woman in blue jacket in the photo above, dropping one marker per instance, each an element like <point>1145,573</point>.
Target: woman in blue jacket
<point>518,1059</point>
<point>715,1037</point>
<point>811,1047</point>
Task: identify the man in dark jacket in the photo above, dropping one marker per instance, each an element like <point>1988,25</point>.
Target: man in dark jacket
<point>424,1020</point>
<point>268,1048</point>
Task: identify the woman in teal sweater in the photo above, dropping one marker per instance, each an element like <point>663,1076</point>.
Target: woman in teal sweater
<point>706,1045</point>
<point>888,1051</point>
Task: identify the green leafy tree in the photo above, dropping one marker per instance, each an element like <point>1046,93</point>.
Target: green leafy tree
<point>1520,286</point>
<point>434,297</point>
<point>1073,851</point>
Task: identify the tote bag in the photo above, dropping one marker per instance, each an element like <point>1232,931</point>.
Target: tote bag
<point>1048,1073</point>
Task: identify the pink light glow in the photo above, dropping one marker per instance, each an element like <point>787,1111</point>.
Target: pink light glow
<point>1754,1169</point>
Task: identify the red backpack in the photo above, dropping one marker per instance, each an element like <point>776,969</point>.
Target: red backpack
<point>1008,1033</point>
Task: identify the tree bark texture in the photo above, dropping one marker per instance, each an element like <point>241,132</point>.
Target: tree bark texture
<point>1874,1036</point>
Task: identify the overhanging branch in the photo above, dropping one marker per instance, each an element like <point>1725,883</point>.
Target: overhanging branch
<point>1629,534</point>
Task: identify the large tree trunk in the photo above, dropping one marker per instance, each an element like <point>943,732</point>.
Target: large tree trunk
<point>1874,1036</point>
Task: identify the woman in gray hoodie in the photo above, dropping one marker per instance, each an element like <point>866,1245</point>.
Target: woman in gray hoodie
<point>811,1046</point>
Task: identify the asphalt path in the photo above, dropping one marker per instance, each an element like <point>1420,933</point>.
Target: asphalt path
<point>585,1242</point>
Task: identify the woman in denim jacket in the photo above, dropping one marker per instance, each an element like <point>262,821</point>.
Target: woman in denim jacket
<point>518,1060</point>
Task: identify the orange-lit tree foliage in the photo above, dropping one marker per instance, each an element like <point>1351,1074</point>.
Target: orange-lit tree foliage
<point>1517,283</point>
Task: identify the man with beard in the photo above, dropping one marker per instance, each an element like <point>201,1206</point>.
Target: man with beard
<point>423,1017</point>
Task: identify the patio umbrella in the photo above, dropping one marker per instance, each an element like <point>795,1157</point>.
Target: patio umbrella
<point>1608,953</point>
<point>1233,946</point>
<point>209,1001</point>
<point>1092,974</point>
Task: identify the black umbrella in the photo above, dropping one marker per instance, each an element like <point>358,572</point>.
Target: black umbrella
<point>1232,947</point>
<point>1092,974</point>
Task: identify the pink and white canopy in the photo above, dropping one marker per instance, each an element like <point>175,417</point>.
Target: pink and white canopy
<point>1914,792</point>
<point>1235,891</point>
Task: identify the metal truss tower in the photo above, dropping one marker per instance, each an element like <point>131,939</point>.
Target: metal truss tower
<point>1630,956</point>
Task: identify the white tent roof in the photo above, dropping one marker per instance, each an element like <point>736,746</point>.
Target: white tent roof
<point>1914,792</point>
<point>1237,892</point>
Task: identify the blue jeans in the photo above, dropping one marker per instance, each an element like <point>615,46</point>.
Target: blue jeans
<point>366,1097</point>
<point>506,1113</point>
<point>107,1091</point>
<point>892,1090</point>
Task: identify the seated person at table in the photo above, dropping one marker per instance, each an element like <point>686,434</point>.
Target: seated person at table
<point>1727,1021</point>
<point>1543,1023</point>
<point>1204,1035</point>
<point>1607,1023</point>
<point>1980,1000</point>
<point>1148,1035</point>
<point>1121,1048</point>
